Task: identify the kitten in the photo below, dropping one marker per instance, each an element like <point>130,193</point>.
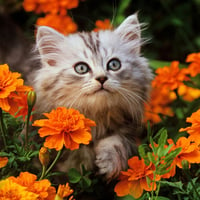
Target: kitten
<point>103,76</point>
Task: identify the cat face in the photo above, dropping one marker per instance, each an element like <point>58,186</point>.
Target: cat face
<point>93,71</point>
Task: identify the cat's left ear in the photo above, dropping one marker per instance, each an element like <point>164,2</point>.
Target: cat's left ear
<point>130,31</point>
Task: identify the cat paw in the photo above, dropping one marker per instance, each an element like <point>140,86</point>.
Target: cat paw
<point>110,159</point>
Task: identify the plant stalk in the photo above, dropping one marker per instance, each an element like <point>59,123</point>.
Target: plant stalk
<point>3,130</point>
<point>44,171</point>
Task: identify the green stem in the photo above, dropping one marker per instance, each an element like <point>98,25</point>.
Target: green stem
<point>27,127</point>
<point>43,172</point>
<point>52,165</point>
<point>3,130</point>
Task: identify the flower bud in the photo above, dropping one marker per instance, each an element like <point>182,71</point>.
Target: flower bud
<point>185,164</point>
<point>44,156</point>
<point>31,99</point>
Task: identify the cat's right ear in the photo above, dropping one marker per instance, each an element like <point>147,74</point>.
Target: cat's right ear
<point>130,31</point>
<point>48,41</point>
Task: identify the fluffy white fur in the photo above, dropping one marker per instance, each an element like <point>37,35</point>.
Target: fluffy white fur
<point>117,109</point>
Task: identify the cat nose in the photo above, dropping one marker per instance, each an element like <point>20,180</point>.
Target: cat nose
<point>102,79</point>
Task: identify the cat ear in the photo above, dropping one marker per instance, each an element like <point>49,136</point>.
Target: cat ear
<point>130,31</point>
<point>48,41</point>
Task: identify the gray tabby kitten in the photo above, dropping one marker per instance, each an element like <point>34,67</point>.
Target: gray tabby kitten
<point>103,75</point>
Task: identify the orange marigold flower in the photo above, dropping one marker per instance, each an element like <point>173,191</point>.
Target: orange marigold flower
<point>194,129</point>
<point>49,6</point>
<point>11,86</point>
<point>65,127</point>
<point>11,190</point>
<point>62,23</point>
<point>103,25</point>
<point>63,191</point>
<point>160,100</point>
<point>189,152</point>
<point>170,77</point>
<point>3,161</point>
<point>134,180</point>
<point>194,119</point>
<point>194,67</point>
<point>42,189</point>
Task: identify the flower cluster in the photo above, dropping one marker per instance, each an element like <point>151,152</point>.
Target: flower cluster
<point>55,13</point>
<point>103,25</point>
<point>13,92</point>
<point>143,175</point>
<point>170,82</point>
<point>26,186</point>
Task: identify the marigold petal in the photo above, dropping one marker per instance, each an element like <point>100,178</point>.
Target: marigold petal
<point>145,185</point>
<point>54,142</point>
<point>45,131</point>
<point>69,143</point>
<point>135,189</point>
<point>3,161</point>
<point>4,105</point>
<point>121,188</point>
<point>81,136</point>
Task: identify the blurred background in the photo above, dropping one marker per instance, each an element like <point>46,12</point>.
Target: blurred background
<point>172,25</point>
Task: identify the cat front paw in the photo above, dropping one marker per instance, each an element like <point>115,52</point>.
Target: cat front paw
<point>110,158</point>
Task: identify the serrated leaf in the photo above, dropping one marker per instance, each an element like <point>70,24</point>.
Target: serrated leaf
<point>152,145</point>
<point>151,157</point>
<point>74,175</point>
<point>178,185</point>
<point>172,154</point>
<point>142,153</point>
<point>163,137</point>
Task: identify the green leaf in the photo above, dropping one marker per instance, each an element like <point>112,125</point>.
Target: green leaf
<point>85,182</point>
<point>178,185</point>
<point>151,157</point>
<point>163,137</point>
<point>74,175</point>
<point>172,154</point>
<point>142,152</point>
<point>155,64</point>
<point>152,145</point>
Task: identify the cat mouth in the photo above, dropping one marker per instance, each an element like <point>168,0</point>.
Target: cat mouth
<point>101,90</point>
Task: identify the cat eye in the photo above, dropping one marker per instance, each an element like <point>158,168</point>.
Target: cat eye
<point>114,64</point>
<point>81,68</point>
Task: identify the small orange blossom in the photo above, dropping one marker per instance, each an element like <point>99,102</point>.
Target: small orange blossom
<point>194,67</point>
<point>62,23</point>
<point>170,77</point>
<point>189,152</point>
<point>103,25</point>
<point>49,6</point>
<point>10,86</point>
<point>134,180</point>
